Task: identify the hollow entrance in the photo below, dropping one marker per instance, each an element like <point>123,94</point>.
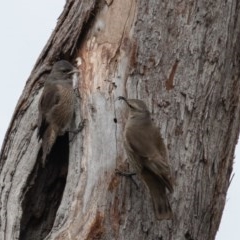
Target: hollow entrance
<point>44,191</point>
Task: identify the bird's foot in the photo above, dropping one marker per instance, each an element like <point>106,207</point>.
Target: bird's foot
<point>80,127</point>
<point>121,98</point>
<point>127,174</point>
<point>123,173</point>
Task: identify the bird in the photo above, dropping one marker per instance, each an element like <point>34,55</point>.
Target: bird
<point>147,154</point>
<point>56,105</point>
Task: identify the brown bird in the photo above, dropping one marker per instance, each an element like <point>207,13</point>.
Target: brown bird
<point>56,105</point>
<point>148,156</point>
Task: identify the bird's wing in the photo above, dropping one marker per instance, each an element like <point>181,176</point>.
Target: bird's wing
<point>147,147</point>
<point>157,164</point>
<point>49,99</point>
<point>132,155</point>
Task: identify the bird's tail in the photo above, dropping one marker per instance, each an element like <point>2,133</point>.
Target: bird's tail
<point>48,140</point>
<point>157,190</point>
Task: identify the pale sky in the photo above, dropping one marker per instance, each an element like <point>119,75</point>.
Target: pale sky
<point>25,27</point>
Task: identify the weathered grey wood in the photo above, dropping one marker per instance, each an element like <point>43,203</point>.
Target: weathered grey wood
<point>182,59</point>
<point>20,148</point>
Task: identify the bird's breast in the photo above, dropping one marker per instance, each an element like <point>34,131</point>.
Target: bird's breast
<point>63,112</point>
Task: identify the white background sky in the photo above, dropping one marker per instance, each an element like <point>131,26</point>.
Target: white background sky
<point>25,27</point>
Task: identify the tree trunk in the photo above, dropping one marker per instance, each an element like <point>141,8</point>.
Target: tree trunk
<point>182,59</point>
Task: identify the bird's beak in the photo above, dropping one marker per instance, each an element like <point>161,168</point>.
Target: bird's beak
<point>75,70</point>
<point>124,99</point>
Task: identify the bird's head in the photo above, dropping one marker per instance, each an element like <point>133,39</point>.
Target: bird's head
<point>136,107</point>
<point>62,70</point>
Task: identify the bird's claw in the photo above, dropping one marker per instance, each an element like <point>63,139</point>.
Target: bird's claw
<point>121,98</point>
<point>80,127</point>
<point>127,174</point>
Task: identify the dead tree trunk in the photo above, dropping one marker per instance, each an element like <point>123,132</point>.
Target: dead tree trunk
<point>182,59</point>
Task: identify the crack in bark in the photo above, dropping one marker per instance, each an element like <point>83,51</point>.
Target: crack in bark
<point>169,82</point>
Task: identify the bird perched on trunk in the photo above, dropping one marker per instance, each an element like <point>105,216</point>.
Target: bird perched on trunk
<point>56,105</point>
<point>148,156</point>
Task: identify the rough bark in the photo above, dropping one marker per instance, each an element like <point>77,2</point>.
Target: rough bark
<point>182,59</point>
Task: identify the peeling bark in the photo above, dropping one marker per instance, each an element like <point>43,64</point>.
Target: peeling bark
<point>182,59</point>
